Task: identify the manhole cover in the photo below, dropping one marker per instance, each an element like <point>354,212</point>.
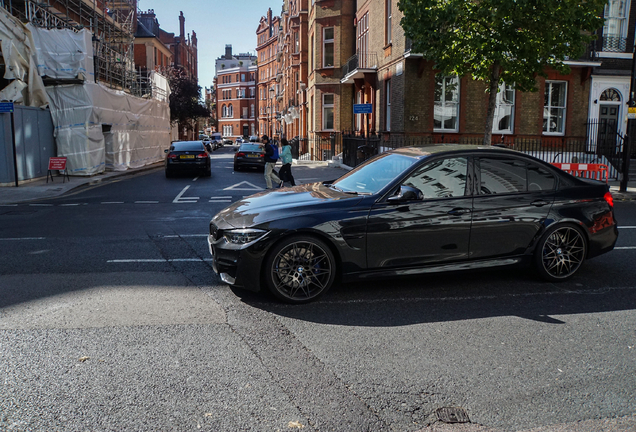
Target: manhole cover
<point>452,415</point>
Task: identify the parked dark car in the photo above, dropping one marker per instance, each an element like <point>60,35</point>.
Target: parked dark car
<point>412,211</point>
<point>249,155</point>
<point>187,156</point>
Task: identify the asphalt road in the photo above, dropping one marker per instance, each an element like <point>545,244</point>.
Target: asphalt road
<point>112,319</point>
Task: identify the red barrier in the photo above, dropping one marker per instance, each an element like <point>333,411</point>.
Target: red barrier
<point>591,171</point>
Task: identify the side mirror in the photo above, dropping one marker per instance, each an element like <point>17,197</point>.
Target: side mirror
<point>407,193</point>
<point>166,151</point>
<point>236,149</point>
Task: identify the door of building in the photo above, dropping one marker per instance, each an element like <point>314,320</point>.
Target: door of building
<point>246,131</point>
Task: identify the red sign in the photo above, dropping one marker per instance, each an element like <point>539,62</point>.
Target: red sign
<point>57,163</point>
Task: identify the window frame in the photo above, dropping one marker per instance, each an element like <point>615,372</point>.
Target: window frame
<point>499,105</point>
<point>548,107</point>
<point>445,103</point>
<point>327,106</point>
<point>326,42</point>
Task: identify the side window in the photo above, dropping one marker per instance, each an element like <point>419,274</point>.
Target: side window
<point>540,178</point>
<point>500,175</point>
<point>443,178</point>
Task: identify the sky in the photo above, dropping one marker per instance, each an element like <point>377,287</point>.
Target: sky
<point>216,23</point>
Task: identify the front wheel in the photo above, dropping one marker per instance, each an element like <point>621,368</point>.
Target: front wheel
<point>560,253</point>
<point>300,269</point>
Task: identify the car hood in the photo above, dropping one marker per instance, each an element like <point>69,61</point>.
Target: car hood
<point>284,203</point>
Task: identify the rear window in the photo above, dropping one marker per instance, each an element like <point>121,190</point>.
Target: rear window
<point>252,147</point>
<point>188,146</point>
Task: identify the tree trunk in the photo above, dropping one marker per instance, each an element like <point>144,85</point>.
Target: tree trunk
<point>493,88</point>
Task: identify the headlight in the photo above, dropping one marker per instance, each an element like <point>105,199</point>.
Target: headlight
<point>243,236</point>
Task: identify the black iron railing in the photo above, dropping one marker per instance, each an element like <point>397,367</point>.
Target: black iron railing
<point>365,60</point>
<point>603,143</point>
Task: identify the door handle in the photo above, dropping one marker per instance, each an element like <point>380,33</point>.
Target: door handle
<point>459,211</point>
<point>539,203</point>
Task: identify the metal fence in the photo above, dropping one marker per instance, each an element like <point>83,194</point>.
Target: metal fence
<point>319,148</point>
<point>602,144</point>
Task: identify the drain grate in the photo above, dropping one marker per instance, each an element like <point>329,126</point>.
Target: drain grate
<point>452,415</point>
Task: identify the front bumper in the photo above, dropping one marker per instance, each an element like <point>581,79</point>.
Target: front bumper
<point>237,267</point>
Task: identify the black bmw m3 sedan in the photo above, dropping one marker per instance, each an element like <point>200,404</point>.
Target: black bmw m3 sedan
<point>411,211</point>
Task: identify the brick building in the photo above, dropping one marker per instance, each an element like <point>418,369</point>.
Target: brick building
<point>268,89</point>
<point>235,77</point>
<point>331,42</point>
<point>292,66</point>
<point>183,48</point>
<point>409,98</point>
<point>151,54</point>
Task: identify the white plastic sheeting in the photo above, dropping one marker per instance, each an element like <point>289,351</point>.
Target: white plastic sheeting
<point>98,128</point>
<point>19,53</point>
<point>64,53</point>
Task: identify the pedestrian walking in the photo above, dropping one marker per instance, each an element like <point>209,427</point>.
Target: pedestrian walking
<point>285,172</point>
<point>271,156</point>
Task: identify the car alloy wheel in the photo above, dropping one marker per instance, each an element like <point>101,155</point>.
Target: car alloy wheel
<point>561,252</point>
<point>300,269</point>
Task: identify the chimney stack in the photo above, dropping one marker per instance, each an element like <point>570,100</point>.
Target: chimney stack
<point>228,52</point>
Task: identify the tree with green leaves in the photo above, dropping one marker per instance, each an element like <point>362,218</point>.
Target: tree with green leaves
<point>186,107</point>
<point>497,41</point>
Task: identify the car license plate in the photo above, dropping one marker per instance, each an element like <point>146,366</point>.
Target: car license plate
<point>252,156</point>
<point>187,156</point>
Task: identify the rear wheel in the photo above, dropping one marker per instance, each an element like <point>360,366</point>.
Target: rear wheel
<point>560,253</point>
<point>168,173</point>
<point>236,167</point>
<point>300,269</point>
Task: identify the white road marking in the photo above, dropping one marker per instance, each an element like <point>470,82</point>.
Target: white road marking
<point>68,205</point>
<point>627,227</point>
<point>22,238</point>
<point>221,199</point>
<point>8,205</point>
<point>161,260</point>
<point>626,247</point>
<point>239,186</point>
<point>196,178</point>
<point>181,200</point>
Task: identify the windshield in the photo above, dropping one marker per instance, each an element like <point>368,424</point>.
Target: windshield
<point>373,176</point>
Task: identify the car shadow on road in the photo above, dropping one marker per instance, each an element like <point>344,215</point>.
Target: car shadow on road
<point>460,296</point>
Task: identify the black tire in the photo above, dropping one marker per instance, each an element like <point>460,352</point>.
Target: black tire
<point>560,252</point>
<point>237,168</point>
<point>208,172</point>
<point>168,173</point>
<point>299,269</point>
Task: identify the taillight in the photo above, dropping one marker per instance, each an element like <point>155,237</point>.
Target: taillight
<point>262,154</point>
<point>202,155</point>
<point>173,155</point>
<point>609,198</point>
<point>240,154</point>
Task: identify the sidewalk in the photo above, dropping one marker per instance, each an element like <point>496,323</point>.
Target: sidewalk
<point>40,189</point>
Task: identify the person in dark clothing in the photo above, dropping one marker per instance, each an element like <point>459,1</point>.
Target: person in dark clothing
<point>285,172</point>
<point>270,161</point>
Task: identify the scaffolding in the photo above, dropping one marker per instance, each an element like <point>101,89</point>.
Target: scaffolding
<point>112,23</point>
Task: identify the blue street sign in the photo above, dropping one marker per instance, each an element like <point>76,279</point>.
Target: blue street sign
<point>362,108</point>
<point>6,107</point>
